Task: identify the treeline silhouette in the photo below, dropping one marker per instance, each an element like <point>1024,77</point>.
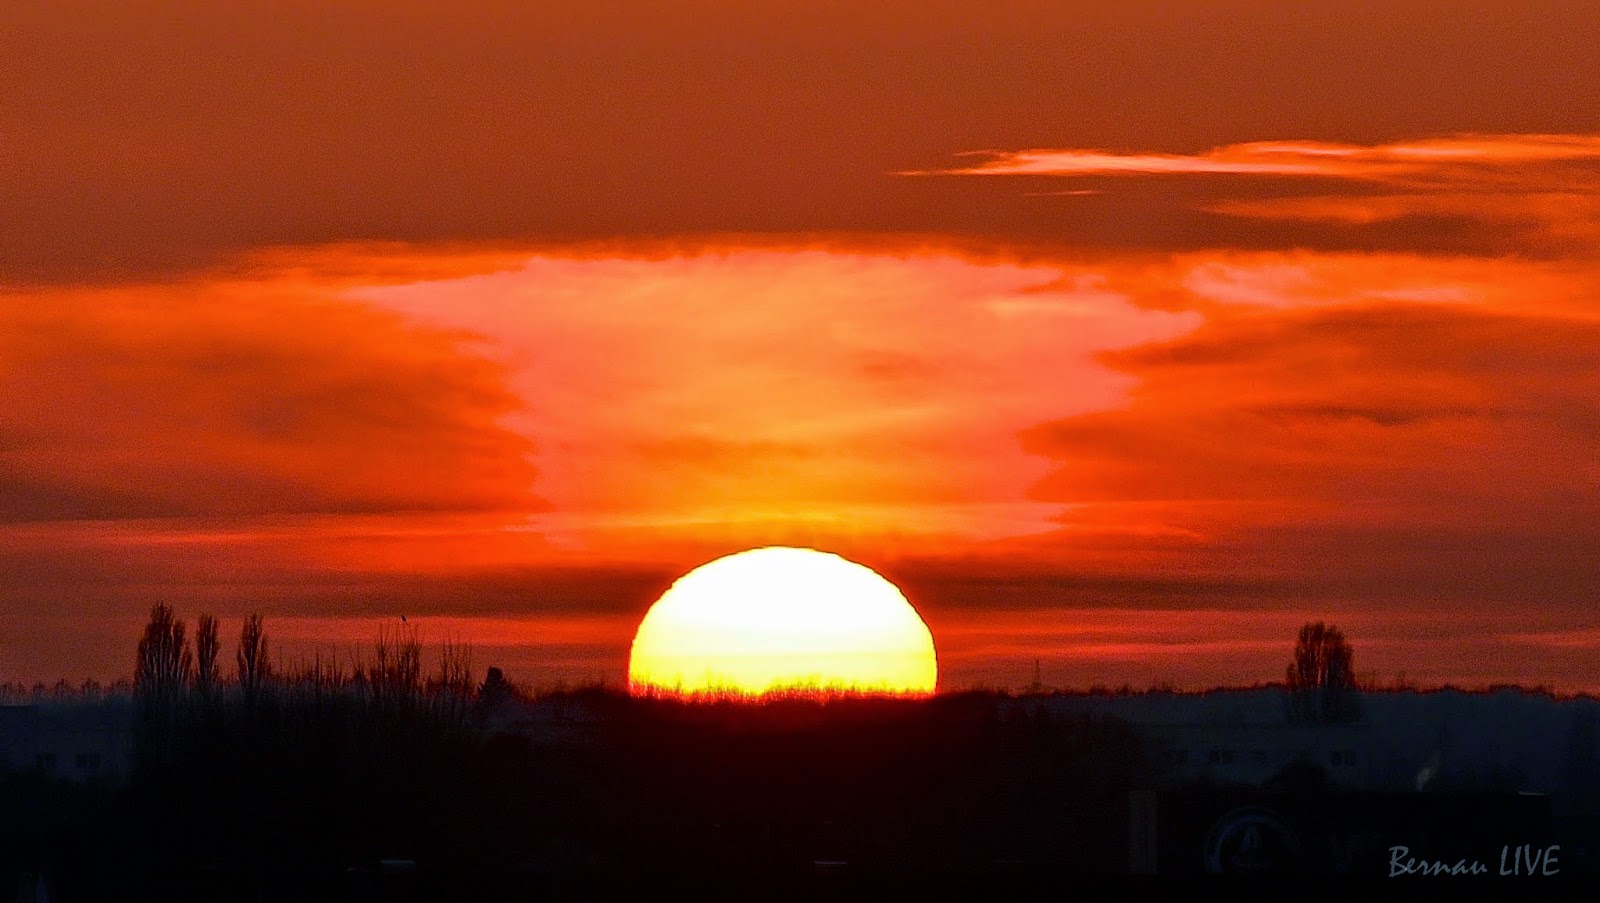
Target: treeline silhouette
<point>264,779</point>
<point>312,782</point>
<point>381,776</point>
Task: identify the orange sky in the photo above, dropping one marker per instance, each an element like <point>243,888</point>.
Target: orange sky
<point>1124,341</point>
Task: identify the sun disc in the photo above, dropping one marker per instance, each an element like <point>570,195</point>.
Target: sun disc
<point>780,619</point>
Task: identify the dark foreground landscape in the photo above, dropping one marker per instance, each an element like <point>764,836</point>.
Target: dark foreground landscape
<point>374,790</point>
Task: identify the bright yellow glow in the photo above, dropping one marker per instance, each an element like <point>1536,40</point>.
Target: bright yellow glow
<point>781,619</point>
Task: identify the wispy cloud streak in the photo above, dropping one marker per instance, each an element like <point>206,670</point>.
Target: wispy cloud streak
<point>1380,162</point>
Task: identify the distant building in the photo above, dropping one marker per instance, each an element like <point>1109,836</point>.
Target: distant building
<point>1504,740</point>
<point>1446,775</point>
<point>1255,754</point>
<point>74,742</point>
<point>1234,737</point>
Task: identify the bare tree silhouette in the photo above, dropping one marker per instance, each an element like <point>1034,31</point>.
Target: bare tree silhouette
<point>396,678</point>
<point>205,653</point>
<point>455,669</point>
<point>164,660</point>
<point>1322,685</point>
<point>252,656</point>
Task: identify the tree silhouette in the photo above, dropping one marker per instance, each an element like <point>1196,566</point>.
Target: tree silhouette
<point>205,653</point>
<point>495,691</point>
<point>1322,684</point>
<point>252,655</point>
<point>164,660</point>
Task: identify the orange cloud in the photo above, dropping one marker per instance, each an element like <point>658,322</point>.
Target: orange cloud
<point>350,432</point>
<point>1541,192</point>
<point>1402,451</point>
<point>1409,161</point>
<point>239,398</point>
<point>753,395</point>
<point>1555,223</point>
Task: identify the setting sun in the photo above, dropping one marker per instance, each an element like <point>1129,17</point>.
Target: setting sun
<point>780,618</point>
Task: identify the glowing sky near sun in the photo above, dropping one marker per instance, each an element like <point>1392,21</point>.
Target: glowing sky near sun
<point>1121,339</point>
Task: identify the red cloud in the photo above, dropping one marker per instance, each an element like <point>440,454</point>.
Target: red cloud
<point>224,399</point>
<point>1419,450</point>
